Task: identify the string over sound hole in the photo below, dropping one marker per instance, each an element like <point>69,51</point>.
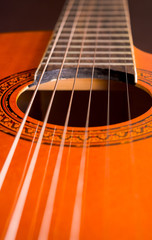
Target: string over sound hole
<point>139,102</point>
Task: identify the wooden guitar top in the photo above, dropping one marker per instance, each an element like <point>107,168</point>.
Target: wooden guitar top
<point>117,190</point>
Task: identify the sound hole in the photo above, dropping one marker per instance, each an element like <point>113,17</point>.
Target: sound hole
<point>139,102</point>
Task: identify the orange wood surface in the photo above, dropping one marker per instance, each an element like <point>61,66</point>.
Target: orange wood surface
<point>117,192</point>
<point>21,51</point>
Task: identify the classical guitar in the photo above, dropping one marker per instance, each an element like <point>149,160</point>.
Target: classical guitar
<point>75,130</point>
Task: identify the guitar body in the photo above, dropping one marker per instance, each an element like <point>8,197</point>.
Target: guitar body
<point>117,189</point>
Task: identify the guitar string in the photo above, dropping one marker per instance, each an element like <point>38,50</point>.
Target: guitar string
<point>134,186</point>
<point>20,183</point>
<point>126,73</point>
<point>33,222</point>
<point>18,208</point>
<point>106,180</point>
<point>49,204</point>
<point>47,217</point>
<point>12,230</point>
<point>134,180</point>
<point>125,62</point>
<point>17,213</point>
<point>18,135</point>
<point>108,115</point>
<point>75,230</point>
<point>76,217</point>
<point>73,234</point>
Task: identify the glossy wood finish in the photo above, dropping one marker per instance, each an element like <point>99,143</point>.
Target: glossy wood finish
<point>21,51</point>
<point>117,193</point>
<point>18,53</point>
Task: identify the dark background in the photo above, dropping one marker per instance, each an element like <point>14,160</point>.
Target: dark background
<point>25,15</point>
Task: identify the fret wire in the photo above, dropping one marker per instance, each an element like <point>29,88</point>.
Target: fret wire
<point>91,38</point>
<point>92,29</point>
<point>100,35</point>
<point>101,17</point>
<point>102,47</point>
<point>103,52</point>
<point>90,64</point>
<point>99,41</point>
<point>103,1</point>
<point>101,8</point>
<point>103,21</point>
<point>101,29</point>
<point>102,32</point>
<point>111,24</point>
<point>101,12</point>
<point>102,5</point>
<point>94,20</point>
<point>91,3</point>
<point>90,58</point>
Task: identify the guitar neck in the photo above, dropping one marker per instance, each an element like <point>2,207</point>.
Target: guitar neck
<point>92,33</point>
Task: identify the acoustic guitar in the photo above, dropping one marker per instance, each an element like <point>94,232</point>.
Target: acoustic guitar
<point>75,130</point>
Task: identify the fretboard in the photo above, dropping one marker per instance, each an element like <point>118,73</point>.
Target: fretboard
<point>91,33</point>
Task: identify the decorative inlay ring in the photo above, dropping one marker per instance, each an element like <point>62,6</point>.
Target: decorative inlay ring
<point>11,117</point>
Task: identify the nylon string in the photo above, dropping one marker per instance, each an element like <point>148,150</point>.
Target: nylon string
<point>21,181</point>
<point>44,230</point>
<point>126,76</point>
<point>33,222</point>
<point>12,230</point>
<point>76,218</point>
<point>50,201</point>
<point>15,142</point>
